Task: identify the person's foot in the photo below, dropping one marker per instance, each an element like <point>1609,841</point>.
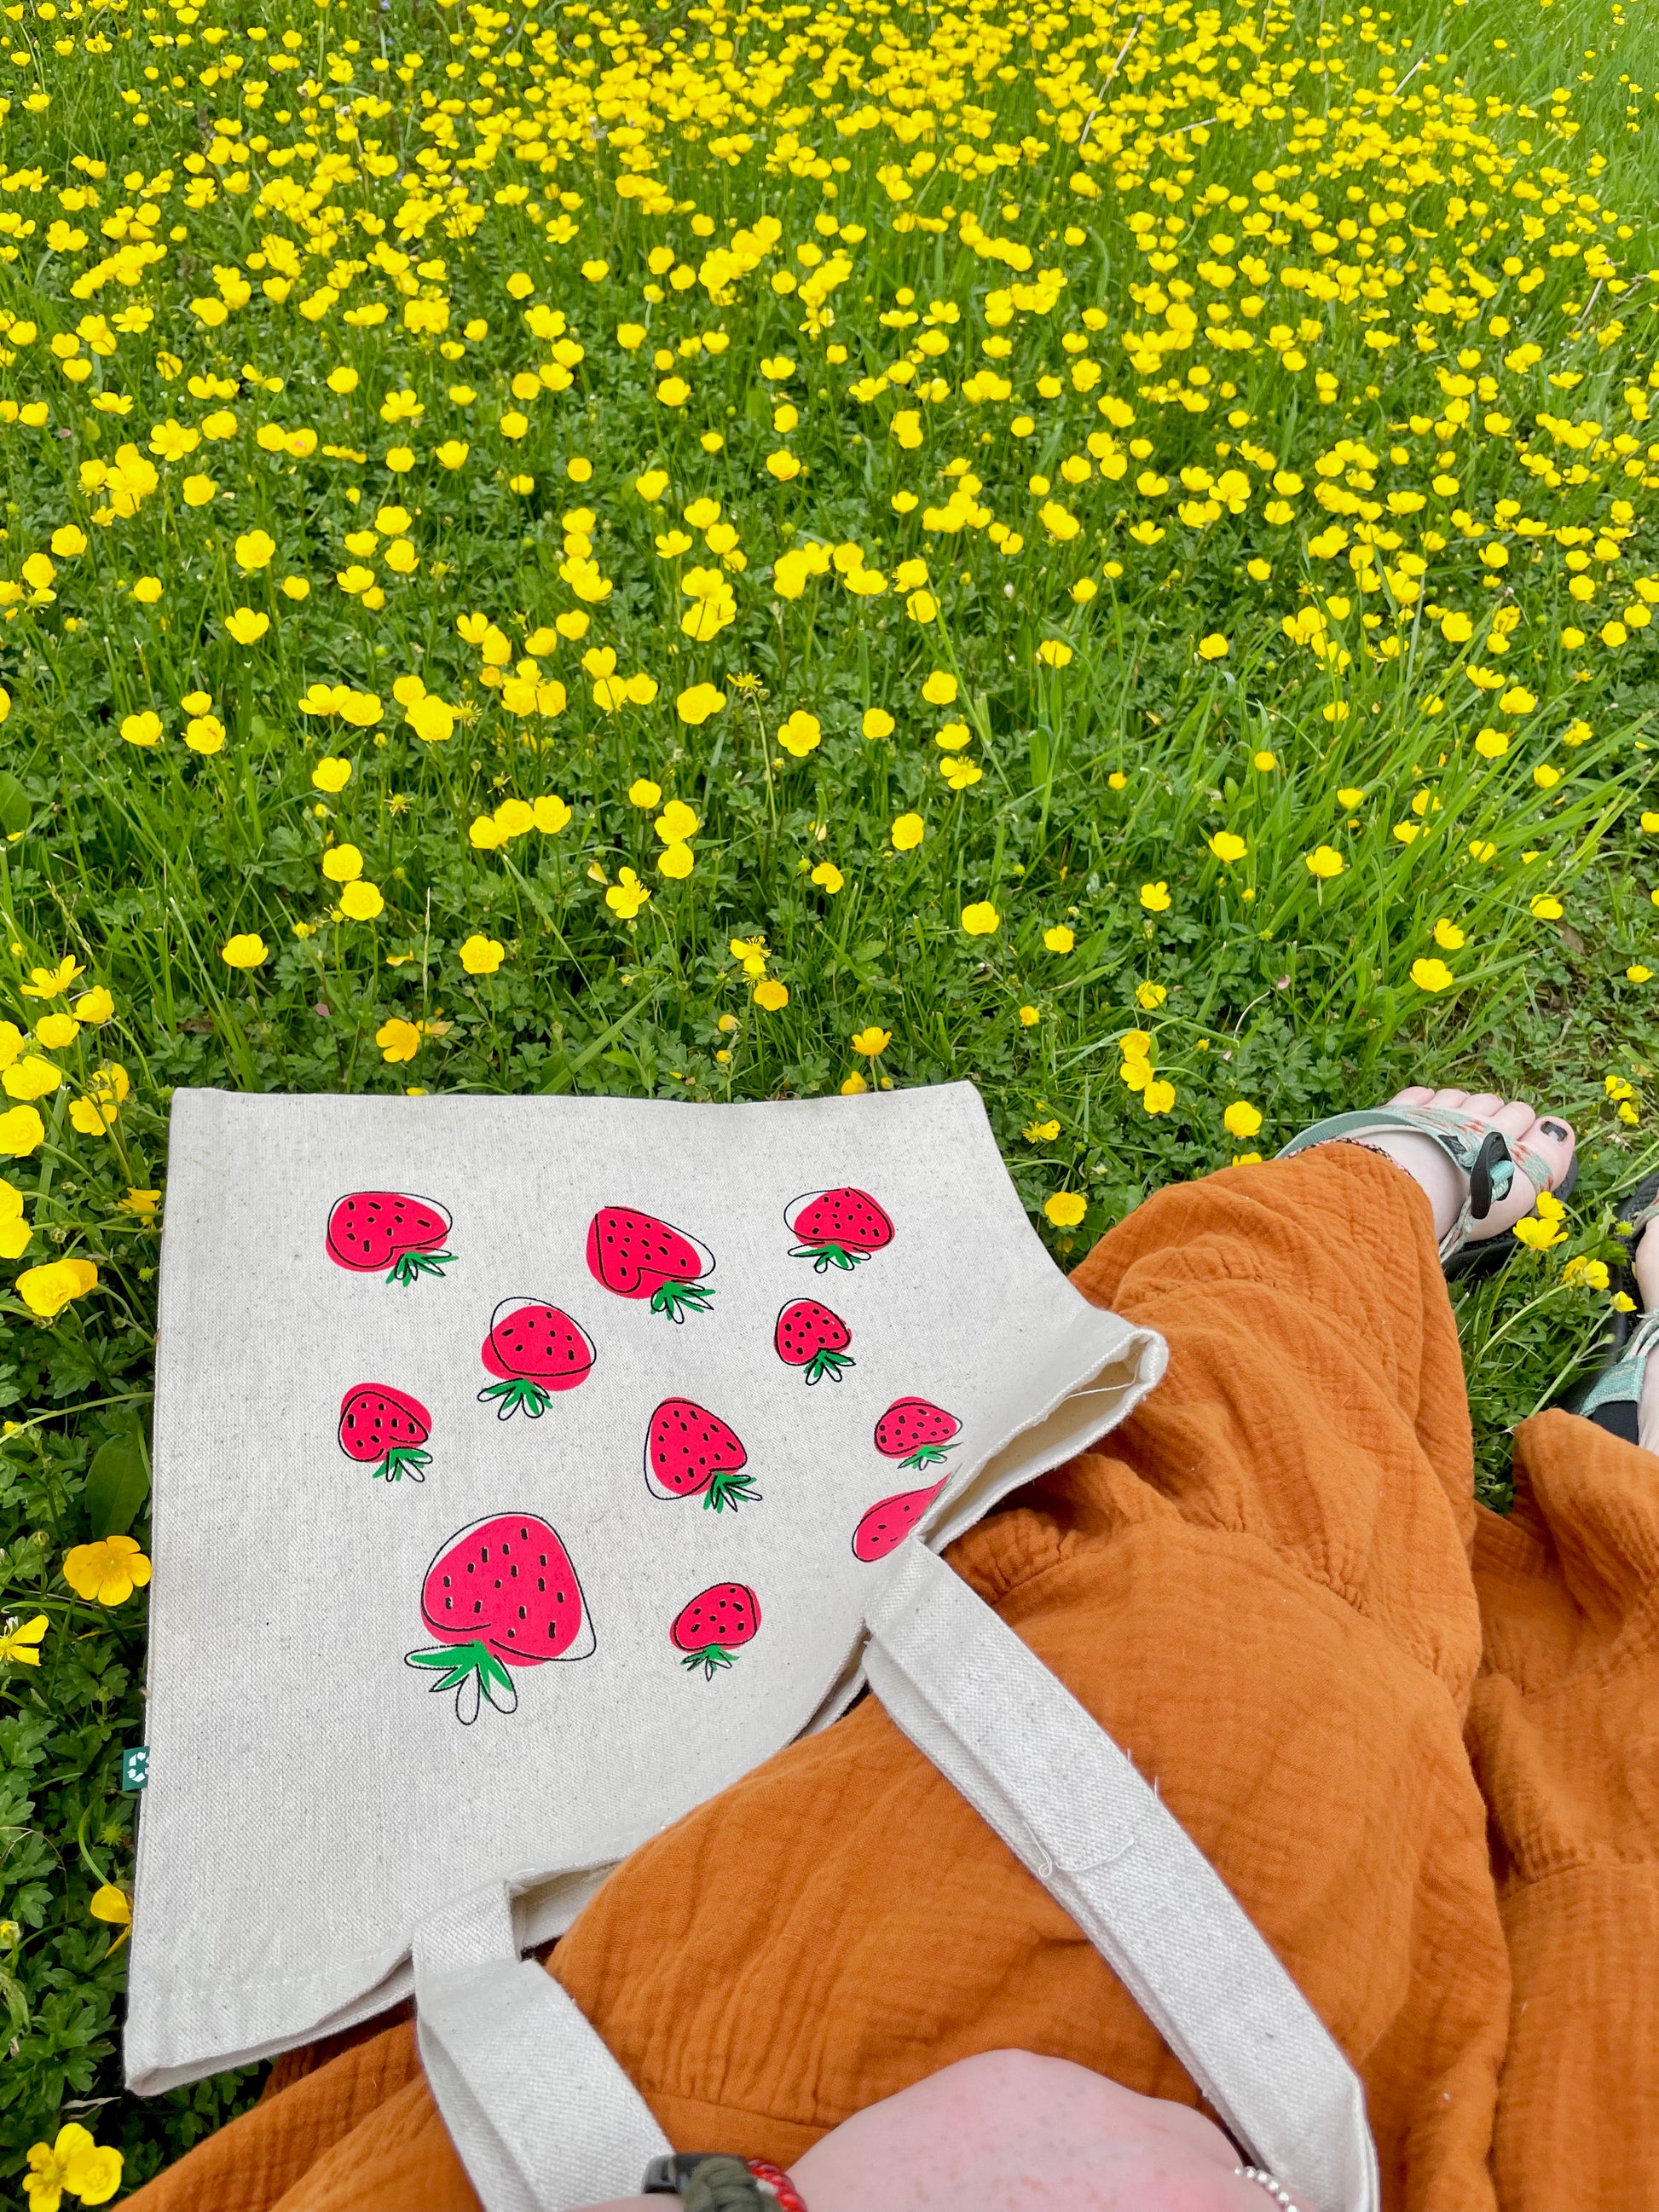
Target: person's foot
<point>1644,1266</point>
<point>1443,1184</point>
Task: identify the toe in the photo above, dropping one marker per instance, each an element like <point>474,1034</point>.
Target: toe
<point>1555,1139</point>
<point>1488,1105</point>
<point>1415,1094</point>
<point>1459,1098</point>
<point>1514,1118</point>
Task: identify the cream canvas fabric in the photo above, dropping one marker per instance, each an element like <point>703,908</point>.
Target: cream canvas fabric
<point>523,1471</point>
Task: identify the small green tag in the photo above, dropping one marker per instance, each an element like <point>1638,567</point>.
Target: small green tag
<point>135,1769</point>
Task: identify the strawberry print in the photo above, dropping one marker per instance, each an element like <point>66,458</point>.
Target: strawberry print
<point>890,1521</point>
<point>719,1621</point>
<point>915,1432</point>
<point>384,1429</point>
<point>372,1230</point>
<point>502,1593</point>
<point>534,1349</point>
<point>638,1256</point>
<point>690,1453</point>
<point>808,1335</point>
<point>837,1228</point>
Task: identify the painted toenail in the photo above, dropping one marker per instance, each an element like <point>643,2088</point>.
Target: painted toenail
<point>1552,1129</point>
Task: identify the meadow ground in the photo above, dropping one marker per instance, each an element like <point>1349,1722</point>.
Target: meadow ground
<point>729,554</point>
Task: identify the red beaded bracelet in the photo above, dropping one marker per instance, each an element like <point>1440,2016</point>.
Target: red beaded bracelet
<point>774,2177</point>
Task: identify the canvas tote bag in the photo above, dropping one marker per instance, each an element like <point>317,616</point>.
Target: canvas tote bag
<point>526,1470</point>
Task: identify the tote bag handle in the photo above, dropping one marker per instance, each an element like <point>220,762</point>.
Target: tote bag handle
<point>545,2119</point>
<point>1041,1770</point>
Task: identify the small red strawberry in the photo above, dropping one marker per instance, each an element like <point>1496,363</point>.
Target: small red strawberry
<point>690,1452</point>
<point>638,1256</point>
<point>369,1229</point>
<point>717,1621</point>
<point>890,1521</point>
<point>809,1335</point>
<point>837,1228</point>
<point>384,1429</point>
<point>501,1593</point>
<point>536,1349</point>
<point>915,1432</point>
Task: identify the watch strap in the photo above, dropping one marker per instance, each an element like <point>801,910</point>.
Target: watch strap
<point>706,2181</point>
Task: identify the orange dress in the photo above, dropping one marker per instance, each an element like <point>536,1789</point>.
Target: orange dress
<point>1416,1739</point>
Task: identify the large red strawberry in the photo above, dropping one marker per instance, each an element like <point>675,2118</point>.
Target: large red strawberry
<point>501,1593</point>
<point>369,1229</point>
<point>837,1228</point>
<point>384,1429</point>
<point>890,1521</point>
<point>536,1349</point>
<point>915,1432</point>
<point>809,1335</point>
<point>717,1621</point>
<point>638,1256</point>
<point>690,1452</point>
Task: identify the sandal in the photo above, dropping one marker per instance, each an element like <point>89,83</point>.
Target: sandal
<point>1612,1397</point>
<point>1489,1158</point>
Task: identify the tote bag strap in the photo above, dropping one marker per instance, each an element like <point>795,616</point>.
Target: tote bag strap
<point>543,2117</point>
<point>982,1706</point>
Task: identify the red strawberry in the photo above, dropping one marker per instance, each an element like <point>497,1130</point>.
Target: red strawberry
<point>890,1521</point>
<point>809,1335</point>
<point>536,1350</point>
<point>717,1622</point>
<point>837,1228</point>
<point>689,1449</point>
<point>638,1256</point>
<point>384,1429</point>
<point>915,1432</point>
<point>502,1591</point>
<point>368,1230</point>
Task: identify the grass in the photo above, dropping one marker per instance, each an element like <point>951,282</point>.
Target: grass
<point>1301,513</point>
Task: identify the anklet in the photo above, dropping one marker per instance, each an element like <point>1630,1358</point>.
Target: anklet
<point>1280,2197</point>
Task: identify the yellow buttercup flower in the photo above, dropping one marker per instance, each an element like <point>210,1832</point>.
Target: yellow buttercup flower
<point>981,919</point>
<point>399,1040</point>
<point>628,894</point>
<point>108,1572</point>
<point>30,1079</point>
<point>1067,1208</point>
<point>114,1907</point>
<point>51,982</point>
<point>361,902</point>
<point>19,1645</point>
<point>74,2162</point>
<point>697,702</point>
<point>1241,1119</point>
<point>871,1042</point>
<point>47,1290</point>
<point>248,951</point>
<point>800,734</point>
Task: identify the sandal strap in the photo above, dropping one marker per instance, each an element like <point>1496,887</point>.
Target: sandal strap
<point>1621,1383</point>
<point>1485,1155</point>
